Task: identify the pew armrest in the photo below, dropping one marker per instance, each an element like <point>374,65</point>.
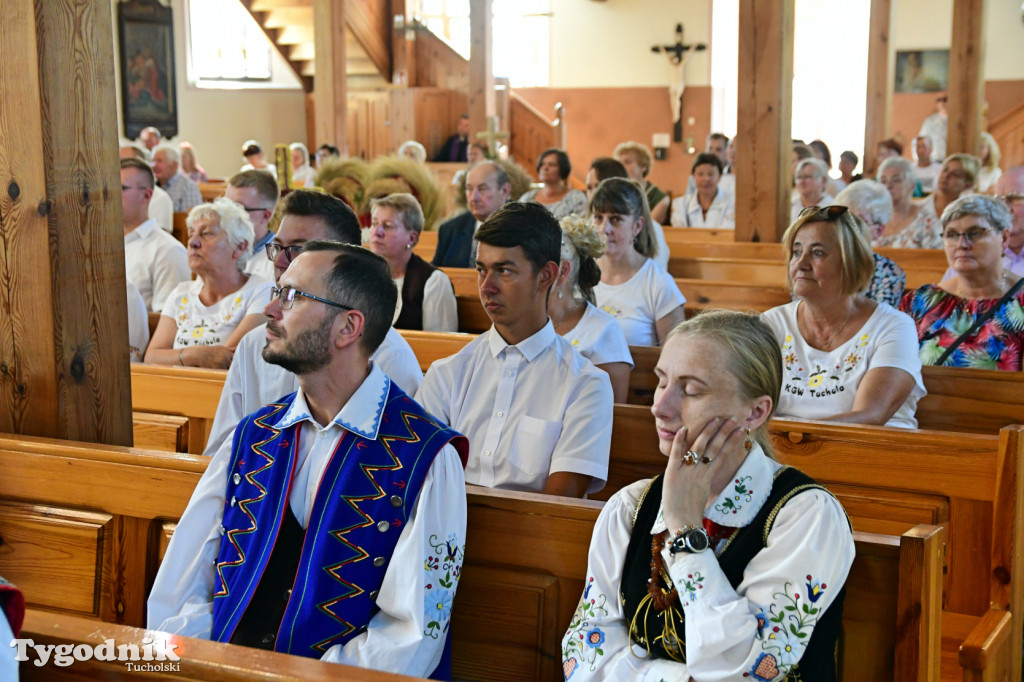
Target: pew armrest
<point>987,648</point>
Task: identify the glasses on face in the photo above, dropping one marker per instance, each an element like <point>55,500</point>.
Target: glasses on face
<point>290,252</point>
<point>257,209</point>
<point>286,298</point>
<point>828,213</point>
<point>972,235</point>
<point>806,177</point>
<point>125,188</point>
<point>1011,198</point>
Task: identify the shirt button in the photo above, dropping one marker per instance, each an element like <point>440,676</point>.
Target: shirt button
<point>508,373</point>
<point>487,453</point>
<point>500,413</point>
<point>383,526</point>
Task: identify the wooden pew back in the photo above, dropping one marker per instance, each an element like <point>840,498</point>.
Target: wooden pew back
<point>525,567</point>
<point>186,391</point>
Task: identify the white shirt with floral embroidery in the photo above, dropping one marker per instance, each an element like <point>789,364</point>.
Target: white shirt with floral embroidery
<point>407,635</point>
<point>201,325</point>
<point>599,338</point>
<point>817,384</point>
<point>730,633</point>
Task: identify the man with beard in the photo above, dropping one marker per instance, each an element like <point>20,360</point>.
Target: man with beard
<point>252,382</point>
<point>309,532</point>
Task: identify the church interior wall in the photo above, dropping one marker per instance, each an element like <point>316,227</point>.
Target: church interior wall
<point>217,122</point>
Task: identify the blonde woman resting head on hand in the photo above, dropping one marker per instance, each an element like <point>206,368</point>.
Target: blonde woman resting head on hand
<point>689,573</point>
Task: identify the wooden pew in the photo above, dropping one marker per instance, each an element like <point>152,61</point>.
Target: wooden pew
<point>426,246</point>
<point>153,431</point>
<point>890,480</point>
<point>431,346</point>
<point>179,230</point>
<point>213,189</point>
<point>190,392</point>
<point>200,659</point>
<point>525,567</point>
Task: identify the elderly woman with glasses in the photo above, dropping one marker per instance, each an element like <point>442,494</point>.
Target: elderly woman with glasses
<point>811,180</point>
<point>689,572</point>
<point>976,317</point>
<point>911,224</point>
<point>205,318</point>
<point>844,357</point>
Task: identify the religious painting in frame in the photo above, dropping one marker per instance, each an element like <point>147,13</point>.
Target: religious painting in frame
<point>922,70</point>
<point>147,64</point>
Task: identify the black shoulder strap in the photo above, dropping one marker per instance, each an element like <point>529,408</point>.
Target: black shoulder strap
<point>980,321</point>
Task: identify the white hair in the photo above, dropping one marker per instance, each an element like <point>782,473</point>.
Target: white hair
<point>301,147</point>
<point>172,153</point>
<point>418,151</point>
<point>231,218</point>
<point>821,170</point>
<point>869,199</point>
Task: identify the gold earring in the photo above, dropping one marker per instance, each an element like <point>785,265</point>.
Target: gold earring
<point>747,443</point>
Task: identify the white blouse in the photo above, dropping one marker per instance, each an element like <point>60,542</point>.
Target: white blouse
<point>817,384</point>
<point>599,338</point>
<point>637,304</point>
<point>687,211</point>
<point>440,311</point>
<point>201,325</point>
<point>729,632</point>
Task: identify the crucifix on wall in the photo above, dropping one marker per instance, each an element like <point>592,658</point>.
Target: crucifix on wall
<point>678,55</point>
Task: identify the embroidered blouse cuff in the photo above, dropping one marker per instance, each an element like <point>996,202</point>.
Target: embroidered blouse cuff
<point>697,577</point>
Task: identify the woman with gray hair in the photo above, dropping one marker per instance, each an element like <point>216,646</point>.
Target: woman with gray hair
<point>911,226</point>
<point>205,318</point>
<point>811,179</point>
<point>869,201</point>
<point>982,293</point>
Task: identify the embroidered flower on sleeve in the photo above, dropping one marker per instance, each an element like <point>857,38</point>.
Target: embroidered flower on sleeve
<point>583,641</point>
<point>790,622</point>
<point>693,583</point>
<point>438,605</point>
<point>443,567</point>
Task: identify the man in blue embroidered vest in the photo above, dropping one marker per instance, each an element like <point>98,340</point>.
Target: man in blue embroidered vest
<point>311,528</point>
<point>538,414</point>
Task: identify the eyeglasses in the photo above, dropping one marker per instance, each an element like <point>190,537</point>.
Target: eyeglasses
<point>972,235</point>
<point>286,298</point>
<point>125,188</point>
<point>290,252</point>
<point>257,209</point>
<point>1011,197</point>
<point>828,213</point>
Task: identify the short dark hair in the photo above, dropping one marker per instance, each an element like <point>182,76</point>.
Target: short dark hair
<point>564,167</point>
<point>528,225</point>
<point>361,280</point>
<point>893,144</point>
<point>707,159</point>
<point>342,224</point>
<point>719,136</point>
<point>850,156</point>
<point>822,148</point>
<point>141,166</point>
<point>607,167</point>
<point>330,148</point>
<point>262,181</point>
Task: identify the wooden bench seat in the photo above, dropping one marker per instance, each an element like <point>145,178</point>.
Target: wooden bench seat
<point>889,480</point>
<point>186,391</point>
<point>525,567</point>
<point>160,431</point>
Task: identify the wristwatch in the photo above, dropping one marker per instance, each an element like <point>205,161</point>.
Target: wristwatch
<point>693,541</point>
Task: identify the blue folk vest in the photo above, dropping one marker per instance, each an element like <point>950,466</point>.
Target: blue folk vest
<point>366,493</point>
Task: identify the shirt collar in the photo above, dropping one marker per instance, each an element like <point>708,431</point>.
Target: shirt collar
<point>258,246</point>
<point>360,415</point>
<point>142,231</point>
<point>530,347</point>
<point>173,179</point>
<point>741,500</point>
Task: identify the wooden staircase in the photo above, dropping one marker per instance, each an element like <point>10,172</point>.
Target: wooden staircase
<point>288,24</point>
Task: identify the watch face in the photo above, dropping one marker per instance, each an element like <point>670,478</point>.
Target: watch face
<point>697,540</point>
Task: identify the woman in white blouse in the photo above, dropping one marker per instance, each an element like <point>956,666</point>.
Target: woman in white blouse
<point>811,180</point>
<point>642,297</point>
<point>729,565</point>
<point>709,205</point>
<point>910,225</point>
<point>205,318</point>
<point>844,357</point>
<point>592,332</point>
<point>426,298</point>
<point>303,174</point>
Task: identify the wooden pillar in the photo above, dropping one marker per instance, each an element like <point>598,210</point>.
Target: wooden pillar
<point>481,73</point>
<point>403,45</point>
<point>765,106</point>
<point>878,106</point>
<point>966,77</point>
<point>63,317</point>
<point>329,83</point>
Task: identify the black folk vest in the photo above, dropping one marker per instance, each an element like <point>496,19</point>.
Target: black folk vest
<point>819,659</point>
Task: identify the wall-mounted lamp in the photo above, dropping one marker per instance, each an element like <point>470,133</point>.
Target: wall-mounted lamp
<point>660,142</point>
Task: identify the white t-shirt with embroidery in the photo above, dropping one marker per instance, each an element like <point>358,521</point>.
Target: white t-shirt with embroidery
<point>817,384</point>
<point>639,303</point>
<point>598,338</point>
<point>200,325</point>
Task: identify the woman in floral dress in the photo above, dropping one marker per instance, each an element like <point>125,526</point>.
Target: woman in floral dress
<point>975,231</point>
<point>729,566</point>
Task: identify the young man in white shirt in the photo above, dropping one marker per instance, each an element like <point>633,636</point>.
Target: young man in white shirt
<point>252,382</point>
<point>309,532</point>
<point>537,414</point>
<point>155,262</point>
<point>257,192</point>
